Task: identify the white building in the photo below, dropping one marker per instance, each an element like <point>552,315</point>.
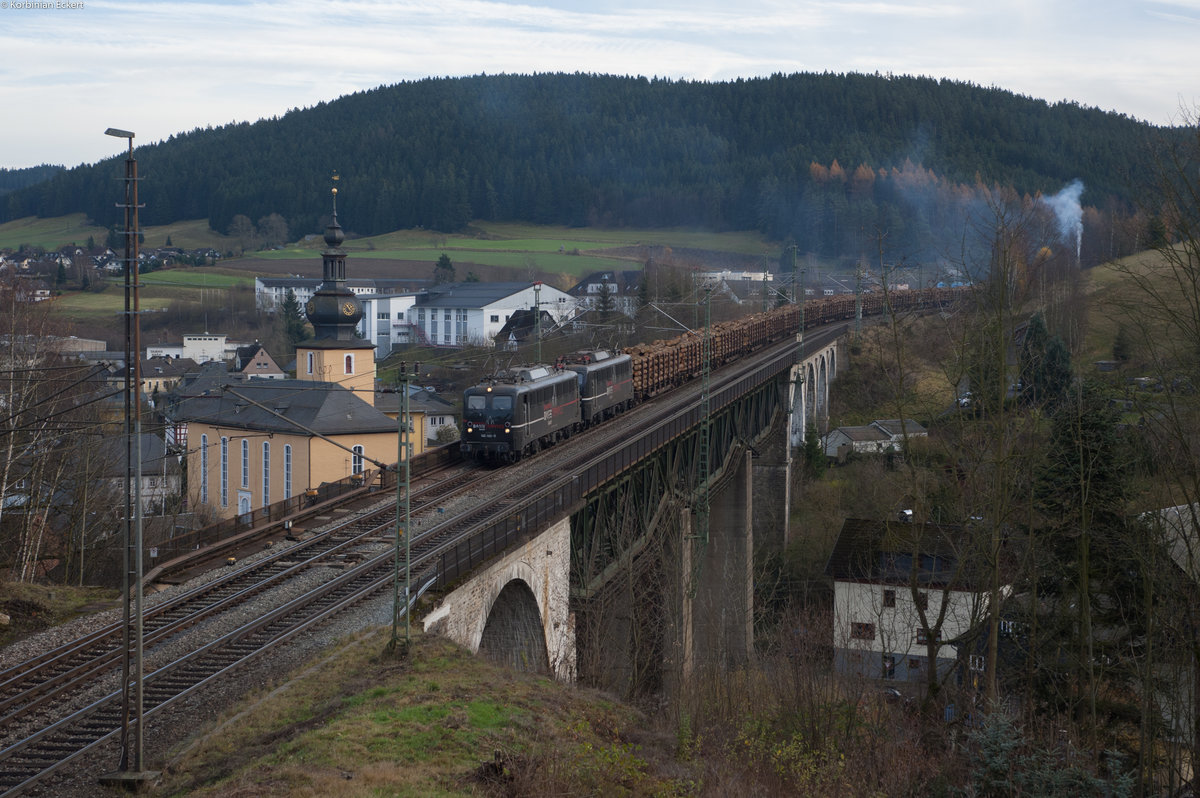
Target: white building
<point>456,314</point>
<point>385,321</point>
<point>270,292</point>
<point>200,348</point>
<point>880,436</point>
<point>884,576</point>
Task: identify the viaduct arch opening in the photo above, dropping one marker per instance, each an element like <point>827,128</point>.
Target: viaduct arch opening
<point>513,634</point>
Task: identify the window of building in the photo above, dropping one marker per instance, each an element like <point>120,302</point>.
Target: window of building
<point>889,598</point>
<point>287,471</point>
<point>862,631</point>
<point>266,473</point>
<point>356,463</point>
<point>311,358</point>
<point>914,663</point>
<point>976,662</point>
<point>382,315</point>
<point>889,667</point>
<point>495,317</point>
<point>923,637</point>
<point>922,601</point>
<point>224,472</point>
<point>245,463</point>
<point>204,469</point>
<point>349,364</point>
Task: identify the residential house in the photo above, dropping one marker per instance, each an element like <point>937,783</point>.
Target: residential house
<point>161,479</point>
<point>878,437</point>
<point>620,286</point>
<point>429,413</point>
<point>256,363</point>
<point>897,586</point>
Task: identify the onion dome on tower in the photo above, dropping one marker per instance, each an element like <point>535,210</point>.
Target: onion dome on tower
<point>336,354</point>
<point>334,310</point>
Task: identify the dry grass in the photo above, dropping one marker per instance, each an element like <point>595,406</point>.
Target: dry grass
<point>32,608</point>
<point>441,723</point>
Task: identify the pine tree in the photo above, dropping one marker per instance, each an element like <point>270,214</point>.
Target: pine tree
<point>443,270</point>
<point>294,324</point>
<point>605,301</point>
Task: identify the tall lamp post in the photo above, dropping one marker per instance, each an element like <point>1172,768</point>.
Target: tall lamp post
<point>132,766</point>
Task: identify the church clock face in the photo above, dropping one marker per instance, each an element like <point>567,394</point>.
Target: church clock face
<point>311,307</point>
<point>348,308</point>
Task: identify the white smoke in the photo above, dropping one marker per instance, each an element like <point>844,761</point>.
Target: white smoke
<point>1069,213</point>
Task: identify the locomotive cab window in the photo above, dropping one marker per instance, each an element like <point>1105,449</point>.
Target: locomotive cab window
<point>476,402</point>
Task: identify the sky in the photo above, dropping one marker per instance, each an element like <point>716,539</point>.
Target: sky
<point>71,69</point>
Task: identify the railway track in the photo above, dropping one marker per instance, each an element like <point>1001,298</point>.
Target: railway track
<point>36,684</point>
<point>43,685</point>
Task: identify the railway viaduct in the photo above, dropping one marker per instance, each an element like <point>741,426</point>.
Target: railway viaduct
<point>638,569</point>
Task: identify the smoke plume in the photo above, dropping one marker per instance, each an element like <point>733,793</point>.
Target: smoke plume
<point>1069,213</point>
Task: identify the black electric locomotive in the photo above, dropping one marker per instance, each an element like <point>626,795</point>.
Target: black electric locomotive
<point>605,384</point>
<point>519,412</point>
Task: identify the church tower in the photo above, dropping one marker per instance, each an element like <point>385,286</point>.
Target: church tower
<point>336,354</point>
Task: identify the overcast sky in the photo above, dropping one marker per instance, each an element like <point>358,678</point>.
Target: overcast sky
<point>158,68</point>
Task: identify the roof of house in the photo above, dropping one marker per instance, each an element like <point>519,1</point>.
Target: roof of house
<point>896,427</point>
<point>155,459</point>
<point>864,433</point>
<point>894,552</point>
<point>626,281</point>
<point>296,407</point>
<point>472,294</point>
<point>419,401</point>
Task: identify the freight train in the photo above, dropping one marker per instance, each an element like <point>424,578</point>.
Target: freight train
<point>524,409</point>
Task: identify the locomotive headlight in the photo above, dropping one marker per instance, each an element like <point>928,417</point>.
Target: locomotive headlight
<point>470,429</point>
<point>507,430</point>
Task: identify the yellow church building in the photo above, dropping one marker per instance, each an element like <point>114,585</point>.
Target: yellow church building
<point>254,442</point>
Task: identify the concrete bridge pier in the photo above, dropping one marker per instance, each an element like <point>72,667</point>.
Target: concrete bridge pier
<point>772,488</point>
<point>717,621</point>
<point>516,611</point>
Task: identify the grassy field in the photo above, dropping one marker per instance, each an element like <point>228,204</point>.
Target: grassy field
<point>201,286</point>
<point>49,233</point>
<point>53,233</point>
<point>563,250</point>
<point>560,250</point>
<point>193,234</point>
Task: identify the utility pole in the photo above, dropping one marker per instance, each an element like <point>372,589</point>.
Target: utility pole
<point>799,424</point>
<point>132,767</point>
<point>858,278</point>
<point>403,513</point>
<point>537,317</point>
<point>704,464</point>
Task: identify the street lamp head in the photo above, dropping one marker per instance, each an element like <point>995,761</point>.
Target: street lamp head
<point>118,133</point>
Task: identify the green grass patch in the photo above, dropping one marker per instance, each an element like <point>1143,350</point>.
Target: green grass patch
<point>50,233</point>
<point>376,726</point>
<point>196,277</point>
<point>188,234</point>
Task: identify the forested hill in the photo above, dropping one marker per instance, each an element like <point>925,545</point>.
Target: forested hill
<point>12,179</point>
<point>581,149</point>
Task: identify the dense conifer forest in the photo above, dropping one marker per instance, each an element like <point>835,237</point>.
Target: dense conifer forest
<point>827,161</point>
<point>12,179</point>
